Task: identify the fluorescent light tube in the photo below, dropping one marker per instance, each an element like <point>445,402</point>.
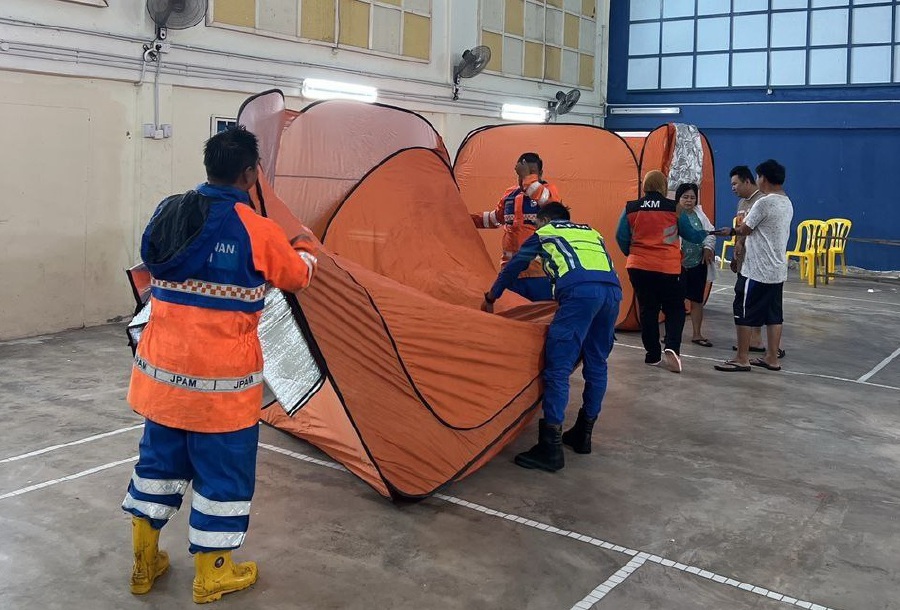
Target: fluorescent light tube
<point>524,114</point>
<point>644,110</point>
<point>318,89</point>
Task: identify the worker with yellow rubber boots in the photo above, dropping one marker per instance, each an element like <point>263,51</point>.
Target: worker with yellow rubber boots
<point>197,373</point>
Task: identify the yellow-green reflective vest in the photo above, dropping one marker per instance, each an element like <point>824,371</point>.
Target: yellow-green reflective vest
<point>574,252</point>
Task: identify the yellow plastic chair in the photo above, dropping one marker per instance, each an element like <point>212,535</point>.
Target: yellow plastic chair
<point>804,248</point>
<point>726,244</point>
<point>839,229</point>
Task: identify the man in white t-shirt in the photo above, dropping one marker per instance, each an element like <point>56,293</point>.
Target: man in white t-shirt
<point>759,289</point>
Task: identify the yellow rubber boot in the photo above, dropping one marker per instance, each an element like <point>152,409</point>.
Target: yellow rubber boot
<point>149,561</point>
<point>217,574</point>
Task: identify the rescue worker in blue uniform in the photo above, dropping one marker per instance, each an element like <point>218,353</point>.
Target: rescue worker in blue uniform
<point>588,292</point>
<point>197,375</point>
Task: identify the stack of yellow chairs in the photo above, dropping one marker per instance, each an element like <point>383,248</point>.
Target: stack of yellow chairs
<point>819,243</point>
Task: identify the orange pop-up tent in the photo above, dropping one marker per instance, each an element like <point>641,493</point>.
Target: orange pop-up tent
<point>419,387</point>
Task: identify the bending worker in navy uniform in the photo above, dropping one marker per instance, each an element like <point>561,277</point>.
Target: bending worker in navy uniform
<point>588,291</point>
<point>197,375</point>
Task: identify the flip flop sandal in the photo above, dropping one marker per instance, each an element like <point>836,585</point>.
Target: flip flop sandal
<point>703,342</point>
<point>731,366</point>
<point>763,364</point>
<point>761,350</point>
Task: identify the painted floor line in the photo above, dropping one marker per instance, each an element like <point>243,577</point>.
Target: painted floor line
<point>816,295</point>
<point>71,477</point>
<point>887,312</point>
<point>73,443</point>
<point>610,583</point>
<point>879,366</point>
<point>783,371</point>
<point>545,527</point>
<point>833,296</point>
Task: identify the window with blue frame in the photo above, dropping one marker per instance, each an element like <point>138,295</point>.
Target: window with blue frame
<point>705,44</point>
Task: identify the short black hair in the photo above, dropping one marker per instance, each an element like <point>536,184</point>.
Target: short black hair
<point>771,170</point>
<point>742,172</point>
<point>532,157</point>
<point>554,211</point>
<point>230,152</point>
<point>684,188</point>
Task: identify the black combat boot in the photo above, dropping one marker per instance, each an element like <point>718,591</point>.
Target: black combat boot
<point>578,437</point>
<point>547,454</point>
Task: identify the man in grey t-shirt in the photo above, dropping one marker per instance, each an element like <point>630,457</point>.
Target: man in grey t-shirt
<point>759,288</point>
<point>743,184</point>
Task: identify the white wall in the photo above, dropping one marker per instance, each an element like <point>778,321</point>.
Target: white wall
<point>67,170</point>
<point>80,181</point>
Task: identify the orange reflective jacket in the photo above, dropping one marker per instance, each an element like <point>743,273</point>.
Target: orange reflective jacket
<point>199,363</point>
<point>517,212</point>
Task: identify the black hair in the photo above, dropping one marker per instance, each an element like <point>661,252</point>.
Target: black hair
<point>554,211</point>
<point>771,170</point>
<point>230,152</point>
<point>684,188</point>
<point>531,157</point>
<point>742,172</point>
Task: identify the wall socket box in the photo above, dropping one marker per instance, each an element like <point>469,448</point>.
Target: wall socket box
<point>151,131</point>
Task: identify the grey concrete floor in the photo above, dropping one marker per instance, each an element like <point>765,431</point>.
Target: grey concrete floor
<point>705,490</point>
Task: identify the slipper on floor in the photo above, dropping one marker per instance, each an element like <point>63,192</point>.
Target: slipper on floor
<point>762,363</point>
<point>703,342</point>
<point>761,350</point>
<point>730,366</point>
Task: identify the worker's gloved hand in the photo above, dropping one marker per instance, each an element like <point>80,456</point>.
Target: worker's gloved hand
<point>311,263</point>
<point>488,303</point>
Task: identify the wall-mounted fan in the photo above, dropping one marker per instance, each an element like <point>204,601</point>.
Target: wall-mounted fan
<point>176,14</point>
<point>473,61</point>
<point>563,103</point>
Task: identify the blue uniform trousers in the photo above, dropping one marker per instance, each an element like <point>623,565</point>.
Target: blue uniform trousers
<point>584,326</point>
<point>222,467</point>
<point>533,288</point>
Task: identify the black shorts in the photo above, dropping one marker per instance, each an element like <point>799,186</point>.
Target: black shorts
<point>694,280</point>
<point>757,304</point>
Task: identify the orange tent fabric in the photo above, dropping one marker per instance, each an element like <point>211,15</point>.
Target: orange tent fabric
<point>328,147</point>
